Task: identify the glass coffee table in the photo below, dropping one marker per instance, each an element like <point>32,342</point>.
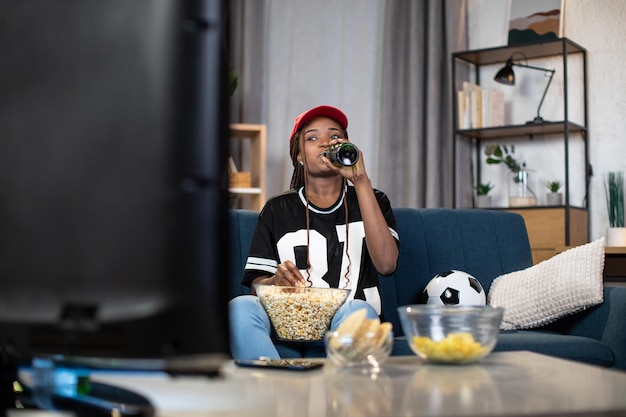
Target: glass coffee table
<point>504,383</point>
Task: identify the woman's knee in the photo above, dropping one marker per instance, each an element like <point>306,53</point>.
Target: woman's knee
<point>355,304</point>
<point>243,300</point>
<point>243,306</point>
<point>350,307</point>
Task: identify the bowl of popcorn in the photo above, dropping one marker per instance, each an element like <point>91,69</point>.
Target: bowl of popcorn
<point>300,314</point>
<point>451,334</point>
<point>359,341</point>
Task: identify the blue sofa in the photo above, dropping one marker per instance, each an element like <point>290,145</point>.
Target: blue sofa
<point>485,243</point>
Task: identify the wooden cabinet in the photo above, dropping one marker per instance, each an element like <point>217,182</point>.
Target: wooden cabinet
<point>615,265</point>
<point>549,227</point>
<point>248,149</point>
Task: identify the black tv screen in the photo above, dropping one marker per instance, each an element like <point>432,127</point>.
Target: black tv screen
<point>113,195</point>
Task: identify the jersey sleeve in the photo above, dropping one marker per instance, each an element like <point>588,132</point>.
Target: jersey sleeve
<point>385,208</point>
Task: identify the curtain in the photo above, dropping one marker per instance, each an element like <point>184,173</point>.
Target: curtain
<point>322,52</point>
<point>385,63</point>
<point>416,114</point>
<point>247,59</point>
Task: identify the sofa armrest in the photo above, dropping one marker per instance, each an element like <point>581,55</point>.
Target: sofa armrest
<point>605,322</point>
<point>242,225</point>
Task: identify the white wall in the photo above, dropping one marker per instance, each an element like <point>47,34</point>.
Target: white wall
<point>598,27</point>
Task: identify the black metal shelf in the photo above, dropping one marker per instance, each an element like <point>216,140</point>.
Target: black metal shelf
<point>537,208</point>
<point>560,129</point>
<point>532,50</point>
<point>530,129</point>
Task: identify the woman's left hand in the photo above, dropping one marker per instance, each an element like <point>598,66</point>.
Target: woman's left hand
<point>354,172</point>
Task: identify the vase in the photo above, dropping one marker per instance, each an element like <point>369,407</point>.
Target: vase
<point>482,201</point>
<point>521,192</point>
<point>616,236</point>
<point>554,199</point>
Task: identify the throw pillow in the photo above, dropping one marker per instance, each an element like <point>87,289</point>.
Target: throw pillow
<point>569,282</point>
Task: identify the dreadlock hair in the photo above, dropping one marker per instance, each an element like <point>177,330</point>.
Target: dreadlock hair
<point>298,180</point>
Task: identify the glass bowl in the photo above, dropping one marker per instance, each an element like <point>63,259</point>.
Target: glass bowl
<point>370,348</point>
<point>300,313</point>
<point>451,334</point>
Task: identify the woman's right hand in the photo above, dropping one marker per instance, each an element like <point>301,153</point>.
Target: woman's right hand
<point>288,275</point>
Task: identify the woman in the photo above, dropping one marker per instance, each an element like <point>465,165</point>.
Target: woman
<point>331,229</point>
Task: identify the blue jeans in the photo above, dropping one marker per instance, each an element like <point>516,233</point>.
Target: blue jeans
<point>251,329</point>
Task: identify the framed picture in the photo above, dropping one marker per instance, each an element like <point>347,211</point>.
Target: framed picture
<point>534,20</point>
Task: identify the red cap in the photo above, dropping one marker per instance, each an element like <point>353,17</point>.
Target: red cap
<point>320,111</point>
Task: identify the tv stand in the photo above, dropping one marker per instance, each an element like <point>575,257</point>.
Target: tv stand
<point>98,399</point>
<point>8,374</point>
<point>89,398</point>
<point>103,400</point>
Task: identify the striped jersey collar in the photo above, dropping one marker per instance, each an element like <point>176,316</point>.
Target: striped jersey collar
<point>328,210</point>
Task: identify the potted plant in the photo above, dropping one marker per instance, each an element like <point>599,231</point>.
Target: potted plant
<point>520,191</point>
<point>614,191</point>
<point>483,199</point>
<point>554,197</point>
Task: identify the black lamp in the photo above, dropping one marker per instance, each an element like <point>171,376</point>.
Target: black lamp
<point>507,76</point>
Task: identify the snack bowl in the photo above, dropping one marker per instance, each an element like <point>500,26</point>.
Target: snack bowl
<point>300,313</point>
<point>371,348</point>
<point>451,334</point>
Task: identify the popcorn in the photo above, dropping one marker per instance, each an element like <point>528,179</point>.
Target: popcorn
<point>299,314</point>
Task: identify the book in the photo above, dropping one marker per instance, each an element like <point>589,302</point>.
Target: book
<point>496,108</point>
<point>463,108</point>
<point>473,92</point>
<point>479,107</point>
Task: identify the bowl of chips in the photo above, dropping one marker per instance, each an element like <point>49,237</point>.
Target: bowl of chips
<point>451,334</point>
<point>359,341</point>
<point>300,313</point>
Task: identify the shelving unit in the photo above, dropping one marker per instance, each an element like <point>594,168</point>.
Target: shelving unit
<point>549,227</point>
<point>251,149</point>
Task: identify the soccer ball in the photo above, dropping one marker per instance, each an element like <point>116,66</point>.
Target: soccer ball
<point>454,287</point>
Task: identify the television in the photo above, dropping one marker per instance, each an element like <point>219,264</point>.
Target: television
<point>113,181</point>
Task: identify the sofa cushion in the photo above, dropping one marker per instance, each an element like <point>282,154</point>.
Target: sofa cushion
<point>242,226</point>
<point>576,348</point>
<point>560,286</point>
<point>483,243</point>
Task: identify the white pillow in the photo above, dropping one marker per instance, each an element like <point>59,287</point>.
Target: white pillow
<point>562,285</point>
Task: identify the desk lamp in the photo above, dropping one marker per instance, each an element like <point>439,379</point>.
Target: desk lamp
<point>507,76</point>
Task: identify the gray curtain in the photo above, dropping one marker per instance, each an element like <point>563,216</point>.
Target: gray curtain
<point>412,135</point>
<point>247,56</point>
<point>416,114</point>
<point>247,53</point>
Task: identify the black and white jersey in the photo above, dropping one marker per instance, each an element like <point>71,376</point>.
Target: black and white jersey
<point>336,248</point>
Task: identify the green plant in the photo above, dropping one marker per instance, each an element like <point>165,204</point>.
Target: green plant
<point>483,189</point>
<point>614,191</point>
<point>554,186</point>
<point>233,81</point>
<point>503,154</point>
